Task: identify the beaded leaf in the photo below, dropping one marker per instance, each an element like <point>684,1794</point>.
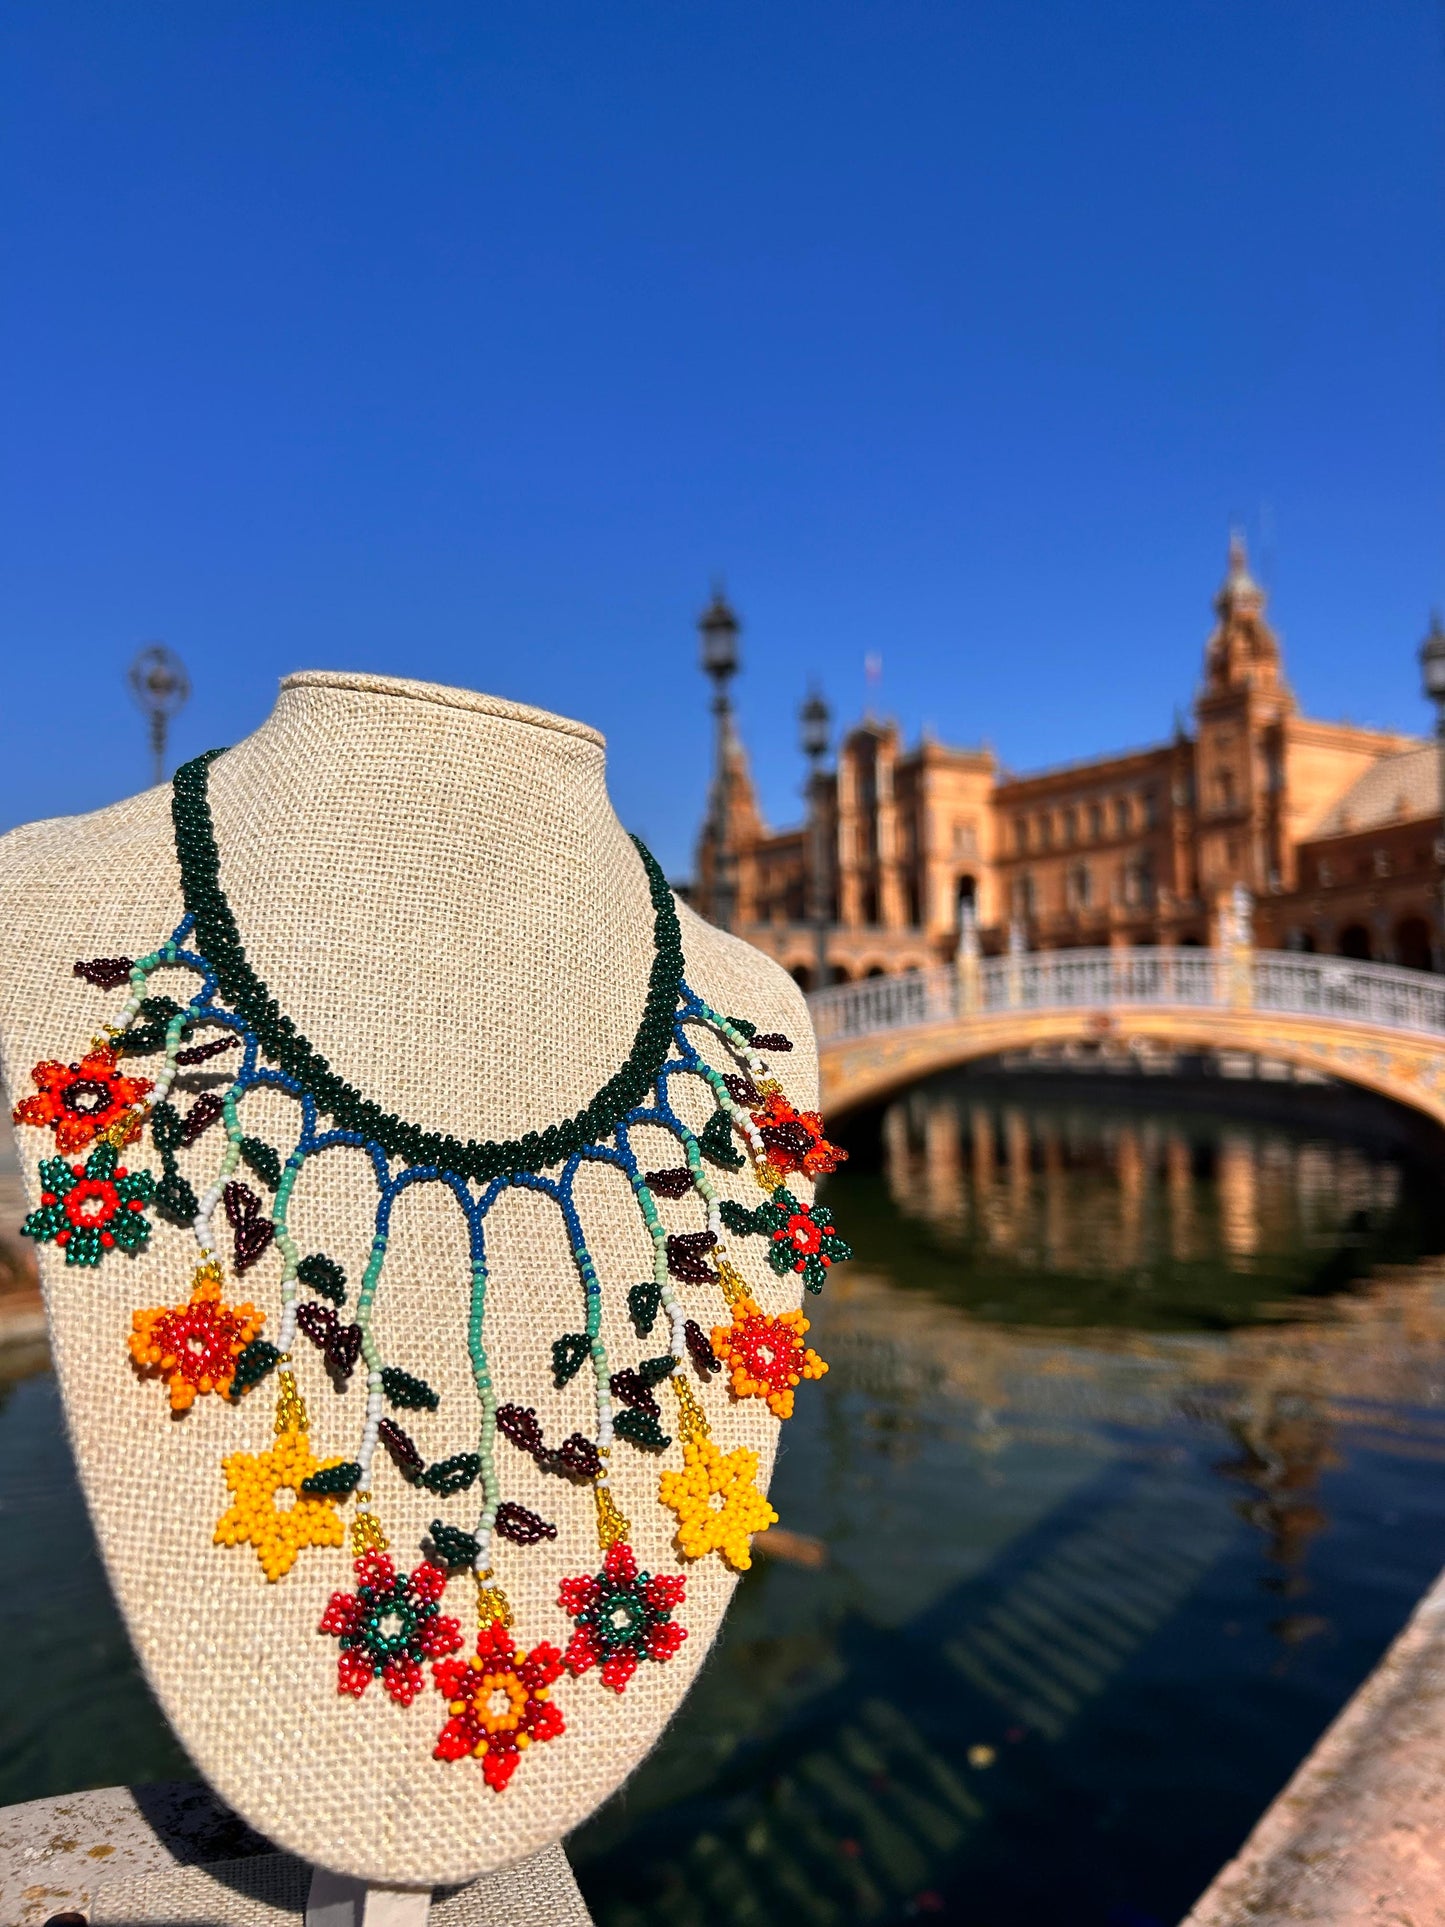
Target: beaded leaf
<point>522,1527</point>
<point>335,1480</point>
<point>716,1143</point>
<point>452,1546</point>
<point>447,1476</point>
<point>324,1275</point>
<point>685,1259</point>
<point>257,1361</point>
<point>175,1198</point>
<point>142,1039</point>
<point>705,1360</point>
<point>643,1303</point>
<point>401,1446</point>
<point>252,1232</point>
<point>106,973</point>
<point>641,1428</point>
<point>673,1183</point>
<point>568,1353</point>
<point>413,1394</point>
<point>263,1159</point>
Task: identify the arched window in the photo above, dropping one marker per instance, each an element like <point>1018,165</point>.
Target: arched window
<point>1355,942</point>
<point>1412,944</point>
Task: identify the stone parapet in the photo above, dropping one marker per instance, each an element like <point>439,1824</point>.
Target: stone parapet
<point>1357,1838</point>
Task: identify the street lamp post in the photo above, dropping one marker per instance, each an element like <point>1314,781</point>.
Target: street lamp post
<point>814,729</point>
<point>1432,671</point>
<point>160,685</point>
<point>719,629</point>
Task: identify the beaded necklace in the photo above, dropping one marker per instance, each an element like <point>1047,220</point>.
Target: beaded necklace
<point>498,1699</point>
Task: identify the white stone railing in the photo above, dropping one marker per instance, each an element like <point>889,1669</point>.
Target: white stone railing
<point>1291,982</point>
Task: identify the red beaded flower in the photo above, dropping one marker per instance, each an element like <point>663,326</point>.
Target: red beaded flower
<point>83,1100</point>
<point>194,1346</point>
<point>794,1140</point>
<point>388,1626</point>
<point>802,1235</point>
<point>623,1616</point>
<point>499,1703</point>
<point>90,1209</point>
<point>767,1356</point>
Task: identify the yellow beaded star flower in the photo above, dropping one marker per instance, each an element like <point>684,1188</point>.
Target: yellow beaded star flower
<point>255,1519</point>
<point>709,1476</point>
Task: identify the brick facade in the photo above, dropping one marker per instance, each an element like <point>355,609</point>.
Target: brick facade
<point>1331,828</point>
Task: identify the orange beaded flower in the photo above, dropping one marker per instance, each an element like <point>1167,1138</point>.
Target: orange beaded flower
<point>766,1355</point>
<point>499,1702</point>
<point>194,1346</point>
<point>85,1101</point>
<point>794,1141</point>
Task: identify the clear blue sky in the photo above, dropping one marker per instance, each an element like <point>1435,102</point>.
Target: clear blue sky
<point>472,342</point>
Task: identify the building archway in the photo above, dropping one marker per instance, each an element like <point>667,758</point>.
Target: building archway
<point>802,976</point>
<point>1355,942</point>
<point>875,970</point>
<point>1412,944</point>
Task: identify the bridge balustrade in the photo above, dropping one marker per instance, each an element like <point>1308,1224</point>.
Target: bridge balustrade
<point>1290,982</point>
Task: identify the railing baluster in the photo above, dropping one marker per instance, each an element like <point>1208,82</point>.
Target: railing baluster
<point>1287,982</point>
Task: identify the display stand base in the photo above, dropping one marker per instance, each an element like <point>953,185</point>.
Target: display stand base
<point>175,1855</point>
<point>335,1900</point>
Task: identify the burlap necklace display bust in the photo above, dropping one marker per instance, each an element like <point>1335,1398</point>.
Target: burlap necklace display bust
<point>435,888</point>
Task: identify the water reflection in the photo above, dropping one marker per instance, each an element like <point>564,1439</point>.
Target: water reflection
<point>1126,1469</point>
<point>982,1192</point>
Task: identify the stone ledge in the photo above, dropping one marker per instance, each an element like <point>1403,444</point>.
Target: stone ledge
<point>1357,1838</point>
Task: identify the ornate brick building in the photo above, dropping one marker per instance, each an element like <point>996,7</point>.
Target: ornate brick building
<point>1331,828</point>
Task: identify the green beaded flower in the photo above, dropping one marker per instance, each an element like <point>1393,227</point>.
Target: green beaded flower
<point>90,1208</point>
<point>802,1236</point>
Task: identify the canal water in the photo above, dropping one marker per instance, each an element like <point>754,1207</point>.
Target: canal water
<point>1129,1465</point>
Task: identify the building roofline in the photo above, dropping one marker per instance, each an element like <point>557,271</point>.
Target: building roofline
<point>1147,752</point>
<point>1397,739</point>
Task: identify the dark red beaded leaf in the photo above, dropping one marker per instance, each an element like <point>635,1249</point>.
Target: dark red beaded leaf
<point>522,1527</point>
<point>106,973</point>
<point>670,1184</point>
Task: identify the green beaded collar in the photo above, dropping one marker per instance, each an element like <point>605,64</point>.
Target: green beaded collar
<point>218,938</point>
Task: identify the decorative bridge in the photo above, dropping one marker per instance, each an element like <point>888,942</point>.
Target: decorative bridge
<point>1374,1025</point>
